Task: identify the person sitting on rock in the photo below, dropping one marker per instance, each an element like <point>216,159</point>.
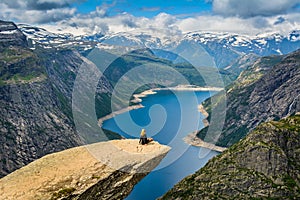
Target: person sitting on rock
<point>143,138</point>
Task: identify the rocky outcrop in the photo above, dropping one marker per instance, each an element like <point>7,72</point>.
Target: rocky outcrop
<point>105,170</point>
<point>32,124</point>
<point>264,165</point>
<point>11,35</point>
<point>267,90</point>
<point>36,101</point>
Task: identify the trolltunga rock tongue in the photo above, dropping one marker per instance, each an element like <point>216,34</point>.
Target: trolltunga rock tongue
<point>105,170</point>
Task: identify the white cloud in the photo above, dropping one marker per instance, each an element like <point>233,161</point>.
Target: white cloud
<point>165,25</point>
<point>161,25</point>
<point>36,16</point>
<point>36,12</point>
<point>62,2</point>
<point>66,19</point>
<point>252,8</point>
<point>249,26</point>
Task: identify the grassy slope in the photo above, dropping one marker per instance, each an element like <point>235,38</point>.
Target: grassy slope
<point>264,165</point>
<point>237,95</point>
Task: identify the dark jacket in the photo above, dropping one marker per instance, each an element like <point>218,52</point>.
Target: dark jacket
<point>143,139</point>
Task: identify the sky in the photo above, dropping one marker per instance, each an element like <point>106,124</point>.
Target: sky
<point>160,17</point>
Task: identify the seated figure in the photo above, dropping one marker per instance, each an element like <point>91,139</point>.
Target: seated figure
<point>143,138</point>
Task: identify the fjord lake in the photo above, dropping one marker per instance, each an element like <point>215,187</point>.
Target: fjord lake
<point>167,116</point>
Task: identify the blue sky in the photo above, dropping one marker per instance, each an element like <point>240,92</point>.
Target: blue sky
<point>158,17</point>
<point>148,8</point>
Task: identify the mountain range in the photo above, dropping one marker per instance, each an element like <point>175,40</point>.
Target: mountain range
<point>221,48</point>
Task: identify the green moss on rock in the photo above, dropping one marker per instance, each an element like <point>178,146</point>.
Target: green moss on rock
<point>264,165</point>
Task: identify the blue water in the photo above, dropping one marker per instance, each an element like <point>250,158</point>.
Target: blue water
<point>167,117</point>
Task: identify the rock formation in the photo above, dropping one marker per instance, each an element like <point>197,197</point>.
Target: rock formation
<point>267,90</point>
<point>264,165</point>
<point>36,100</point>
<point>11,35</point>
<point>105,170</point>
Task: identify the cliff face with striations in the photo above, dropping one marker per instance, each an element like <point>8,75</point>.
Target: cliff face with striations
<point>105,170</point>
<point>264,165</point>
<point>267,90</point>
<point>11,35</point>
<point>36,100</point>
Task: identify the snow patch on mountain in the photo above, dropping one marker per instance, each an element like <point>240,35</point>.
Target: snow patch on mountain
<point>219,45</point>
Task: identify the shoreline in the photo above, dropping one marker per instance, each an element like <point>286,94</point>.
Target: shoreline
<point>202,110</point>
<point>190,139</point>
<point>113,114</point>
<point>191,88</point>
<point>193,140</point>
<point>137,97</point>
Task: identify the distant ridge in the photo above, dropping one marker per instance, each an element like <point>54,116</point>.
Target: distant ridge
<point>223,47</point>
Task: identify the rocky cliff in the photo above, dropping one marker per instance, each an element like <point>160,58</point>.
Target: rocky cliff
<point>36,88</point>
<point>267,90</point>
<point>105,170</point>
<point>35,100</point>
<point>11,35</point>
<point>264,165</point>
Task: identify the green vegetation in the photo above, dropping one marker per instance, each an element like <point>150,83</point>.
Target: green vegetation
<point>19,65</point>
<point>290,124</point>
<point>65,105</point>
<point>65,192</point>
<point>14,54</point>
<point>111,135</point>
<point>194,76</point>
<point>103,104</point>
<point>249,90</point>
<point>263,165</point>
<point>289,182</point>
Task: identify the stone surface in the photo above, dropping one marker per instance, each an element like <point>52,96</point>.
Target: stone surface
<point>11,35</point>
<point>105,170</point>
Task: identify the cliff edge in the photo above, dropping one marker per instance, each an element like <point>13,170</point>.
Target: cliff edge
<point>267,90</point>
<point>105,170</point>
<point>264,165</point>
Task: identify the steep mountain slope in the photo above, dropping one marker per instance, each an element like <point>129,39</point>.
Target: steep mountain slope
<point>35,100</point>
<point>145,57</point>
<point>264,165</point>
<point>11,35</point>
<point>241,64</point>
<point>267,90</point>
<point>226,47</point>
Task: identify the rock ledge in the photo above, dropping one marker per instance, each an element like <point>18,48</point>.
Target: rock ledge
<point>105,170</point>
